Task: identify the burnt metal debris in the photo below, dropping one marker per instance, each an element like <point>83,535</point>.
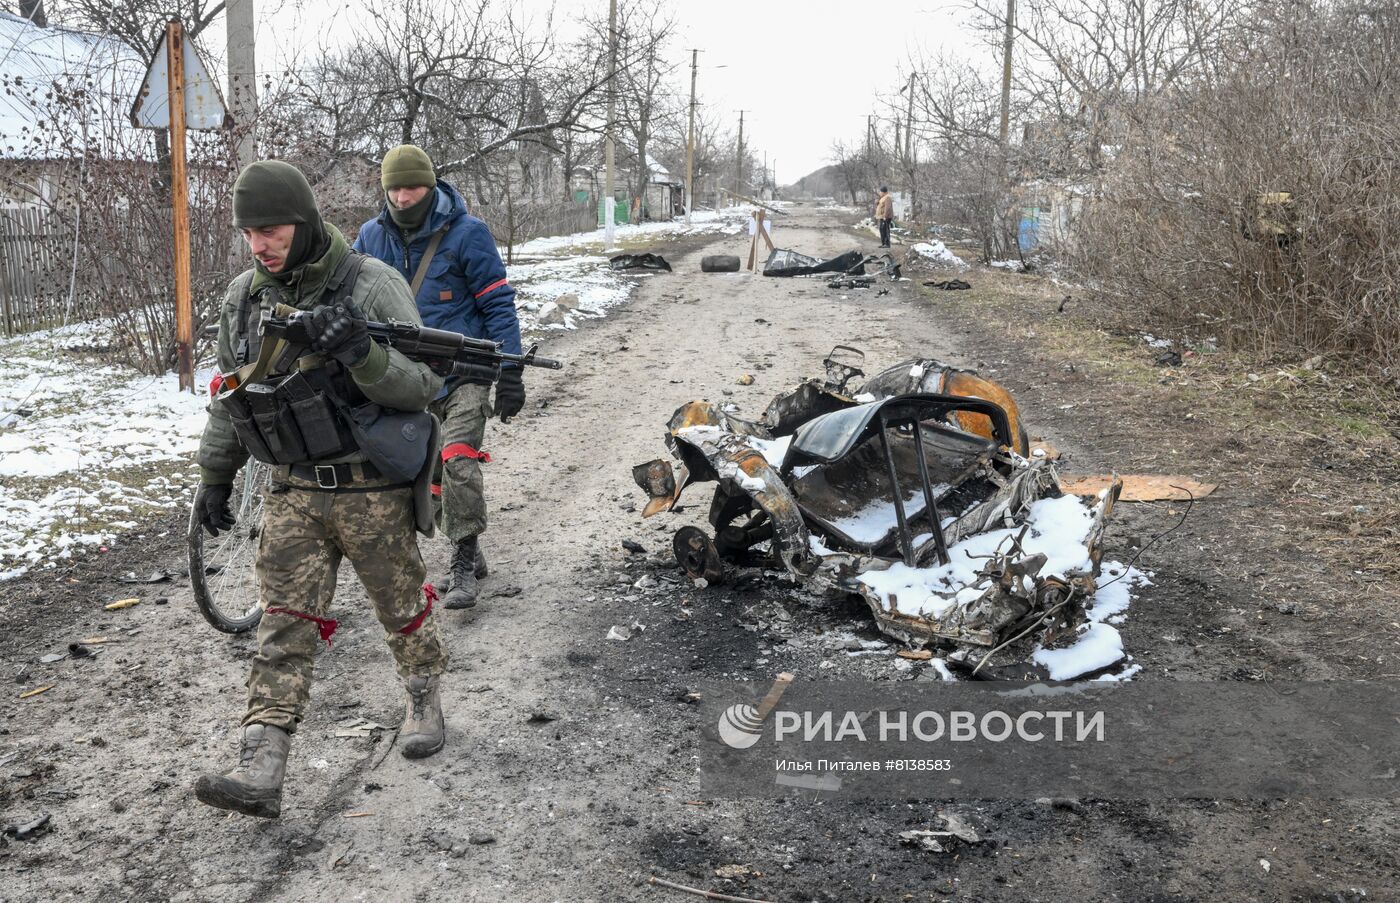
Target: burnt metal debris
<point>786,262</point>
<point>639,262</point>
<point>853,265</point>
<point>883,487</point>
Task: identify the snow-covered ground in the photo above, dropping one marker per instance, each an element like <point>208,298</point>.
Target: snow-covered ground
<point>87,450</point>
<point>548,269</point>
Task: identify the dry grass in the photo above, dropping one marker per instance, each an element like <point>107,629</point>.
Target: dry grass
<point>1322,447</point>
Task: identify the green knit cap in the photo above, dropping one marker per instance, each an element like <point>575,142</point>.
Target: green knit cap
<point>406,166</point>
<point>273,193</point>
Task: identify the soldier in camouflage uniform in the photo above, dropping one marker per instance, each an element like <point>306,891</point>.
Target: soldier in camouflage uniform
<point>317,514</point>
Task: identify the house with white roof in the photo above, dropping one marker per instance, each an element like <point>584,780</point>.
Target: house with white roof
<point>65,98</point>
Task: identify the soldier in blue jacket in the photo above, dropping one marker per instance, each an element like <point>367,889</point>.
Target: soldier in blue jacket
<point>459,281</point>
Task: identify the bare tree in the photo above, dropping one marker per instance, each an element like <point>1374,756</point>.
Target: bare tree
<point>712,147</point>
<point>644,105</point>
<point>1254,203</point>
<point>463,85</point>
<point>853,168</point>
<point>139,24</point>
<point>1089,65</point>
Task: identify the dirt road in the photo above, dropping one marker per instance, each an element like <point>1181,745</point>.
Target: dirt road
<point>570,773</point>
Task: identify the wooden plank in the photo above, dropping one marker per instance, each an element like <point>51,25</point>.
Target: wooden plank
<point>5,270</point>
<point>1140,487</point>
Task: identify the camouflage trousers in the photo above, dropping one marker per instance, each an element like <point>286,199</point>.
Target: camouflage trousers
<point>457,483</point>
<point>305,535</point>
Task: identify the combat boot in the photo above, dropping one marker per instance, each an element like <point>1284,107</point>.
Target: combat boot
<point>482,571</point>
<point>423,732</point>
<point>254,785</point>
<point>464,573</point>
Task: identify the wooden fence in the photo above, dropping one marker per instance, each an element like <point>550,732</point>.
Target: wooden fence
<point>513,224</point>
<point>37,274</point>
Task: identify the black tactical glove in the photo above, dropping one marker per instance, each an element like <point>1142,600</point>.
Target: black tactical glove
<point>340,332</point>
<point>510,393</point>
<point>211,504</point>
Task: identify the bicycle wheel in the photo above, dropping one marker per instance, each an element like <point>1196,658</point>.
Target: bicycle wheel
<point>221,567</point>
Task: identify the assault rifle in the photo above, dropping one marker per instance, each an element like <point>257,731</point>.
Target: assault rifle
<point>447,353</point>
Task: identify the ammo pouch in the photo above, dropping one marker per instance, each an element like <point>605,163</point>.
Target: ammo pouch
<point>290,420</point>
<point>423,485</point>
<point>394,441</point>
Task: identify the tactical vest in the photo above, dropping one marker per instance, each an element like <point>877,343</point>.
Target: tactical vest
<point>297,416</point>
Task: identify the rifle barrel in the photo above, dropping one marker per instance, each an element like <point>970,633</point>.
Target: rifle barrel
<point>425,343</point>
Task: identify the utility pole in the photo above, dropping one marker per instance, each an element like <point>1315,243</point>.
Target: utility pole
<point>739,159</point>
<point>242,76</point>
<point>690,141</point>
<point>609,227</point>
<point>180,204</point>
<point>1006,71</point>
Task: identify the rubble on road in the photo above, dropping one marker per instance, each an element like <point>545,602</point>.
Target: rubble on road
<point>647,261</point>
<point>838,483</point>
<point>786,262</point>
<point>29,830</point>
<point>856,265</point>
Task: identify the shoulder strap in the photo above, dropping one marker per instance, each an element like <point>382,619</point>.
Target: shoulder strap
<point>245,298</point>
<point>428,253</point>
<point>342,281</point>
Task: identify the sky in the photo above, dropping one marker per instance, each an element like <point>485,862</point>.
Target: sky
<point>806,73</point>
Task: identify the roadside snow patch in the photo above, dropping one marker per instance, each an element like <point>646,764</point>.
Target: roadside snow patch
<point>937,252</point>
<point>87,450</point>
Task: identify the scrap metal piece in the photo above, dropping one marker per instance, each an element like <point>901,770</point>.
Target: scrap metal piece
<point>752,479</point>
<point>696,554</point>
<point>876,265</point>
<point>930,376</point>
<point>786,262</point>
<point>1142,487</point>
<point>659,480</point>
<point>639,262</point>
<point>810,399</point>
<point>1010,594</point>
<point>841,367</point>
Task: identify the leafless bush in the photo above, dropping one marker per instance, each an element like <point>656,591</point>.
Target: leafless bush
<point>1192,224</point>
<point>102,190</point>
<point>967,175</point>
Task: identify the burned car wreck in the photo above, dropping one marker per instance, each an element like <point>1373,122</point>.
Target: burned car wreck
<point>914,488</point>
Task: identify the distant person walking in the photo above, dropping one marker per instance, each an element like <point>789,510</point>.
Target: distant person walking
<point>884,215</point>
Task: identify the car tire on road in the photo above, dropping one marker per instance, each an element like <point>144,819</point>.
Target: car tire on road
<point>719,263</point>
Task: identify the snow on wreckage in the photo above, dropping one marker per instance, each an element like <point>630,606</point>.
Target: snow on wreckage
<point>840,485</point>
